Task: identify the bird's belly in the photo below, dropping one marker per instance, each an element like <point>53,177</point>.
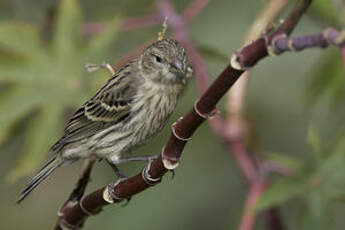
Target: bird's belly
<point>144,122</point>
<point>113,140</point>
<point>148,123</point>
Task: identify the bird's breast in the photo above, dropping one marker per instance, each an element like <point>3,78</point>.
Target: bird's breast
<point>151,111</point>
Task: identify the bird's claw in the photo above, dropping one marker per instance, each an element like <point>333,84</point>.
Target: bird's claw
<point>149,180</point>
<point>111,197</point>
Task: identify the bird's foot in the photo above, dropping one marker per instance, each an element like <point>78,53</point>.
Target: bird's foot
<point>149,180</point>
<point>111,197</point>
<point>109,193</point>
<point>141,158</point>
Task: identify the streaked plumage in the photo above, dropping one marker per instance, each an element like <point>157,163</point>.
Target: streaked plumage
<point>126,112</point>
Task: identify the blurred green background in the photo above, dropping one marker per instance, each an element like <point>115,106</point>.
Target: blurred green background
<point>290,98</point>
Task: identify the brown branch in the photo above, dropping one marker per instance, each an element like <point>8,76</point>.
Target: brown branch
<point>249,57</point>
<point>185,127</point>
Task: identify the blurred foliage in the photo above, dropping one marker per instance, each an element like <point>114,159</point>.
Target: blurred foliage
<point>319,182</point>
<point>328,79</point>
<point>42,78</point>
<point>212,53</point>
<point>331,12</point>
<point>46,77</point>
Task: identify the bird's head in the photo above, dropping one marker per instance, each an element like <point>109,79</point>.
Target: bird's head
<point>165,61</point>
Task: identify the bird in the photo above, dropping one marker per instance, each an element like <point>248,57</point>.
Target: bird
<point>130,109</point>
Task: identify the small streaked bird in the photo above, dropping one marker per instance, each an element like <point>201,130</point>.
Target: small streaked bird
<point>126,112</point>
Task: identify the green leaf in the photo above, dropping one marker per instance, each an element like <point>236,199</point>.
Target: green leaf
<point>12,35</point>
<point>14,106</point>
<point>67,35</point>
<point>22,74</point>
<point>100,44</point>
<point>292,163</point>
<point>327,11</point>
<point>281,191</point>
<point>54,78</point>
<point>41,134</point>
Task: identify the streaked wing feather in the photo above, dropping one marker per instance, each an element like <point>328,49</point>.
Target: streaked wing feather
<point>109,105</point>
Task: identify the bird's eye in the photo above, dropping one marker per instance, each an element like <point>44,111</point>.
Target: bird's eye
<point>158,59</point>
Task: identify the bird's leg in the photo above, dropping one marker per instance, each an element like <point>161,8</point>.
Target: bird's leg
<point>116,170</point>
<point>120,177</point>
<point>141,158</point>
<point>94,67</point>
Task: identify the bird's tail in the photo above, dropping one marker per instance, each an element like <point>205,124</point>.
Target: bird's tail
<point>44,172</point>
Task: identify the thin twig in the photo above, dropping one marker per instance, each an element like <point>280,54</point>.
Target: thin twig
<point>193,10</point>
<point>248,216</point>
<point>328,37</point>
<point>152,19</point>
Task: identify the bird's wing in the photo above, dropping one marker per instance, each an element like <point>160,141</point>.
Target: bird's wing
<point>111,104</point>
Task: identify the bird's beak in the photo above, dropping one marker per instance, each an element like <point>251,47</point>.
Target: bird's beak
<point>179,66</point>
